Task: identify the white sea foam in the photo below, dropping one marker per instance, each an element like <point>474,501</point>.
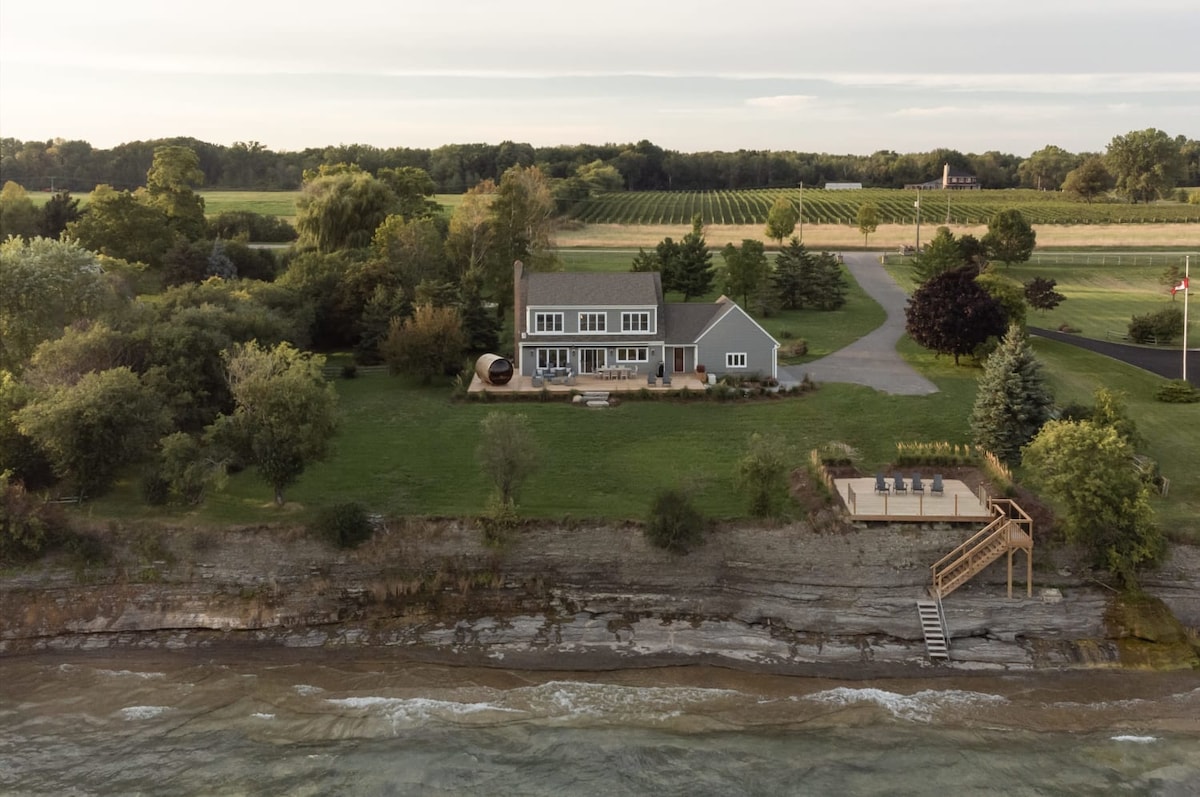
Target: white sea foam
<point>917,707</point>
<point>574,699</point>
<point>258,715</point>
<point>143,712</point>
<point>130,674</point>
<point>1136,739</point>
<point>400,709</point>
<point>305,689</point>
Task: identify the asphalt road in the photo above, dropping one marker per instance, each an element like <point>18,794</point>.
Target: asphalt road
<point>1164,362</point>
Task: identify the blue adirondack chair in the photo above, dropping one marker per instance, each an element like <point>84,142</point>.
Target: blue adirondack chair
<point>898,485</point>
<point>917,486</point>
<point>937,488</point>
<point>881,487</point>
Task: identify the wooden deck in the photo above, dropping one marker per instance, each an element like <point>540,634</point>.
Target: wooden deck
<point>957,504</point>
<point>587,383</point>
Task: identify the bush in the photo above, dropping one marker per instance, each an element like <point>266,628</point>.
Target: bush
<point>1161,327</point>
<point>26,524</point>
<point>499,521</point>
<point>344,525</point>
<point>349,371</point>
<point>1177,391</point>
<point>674,523</point>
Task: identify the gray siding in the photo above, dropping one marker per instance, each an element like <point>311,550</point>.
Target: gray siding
<point>736,332</point>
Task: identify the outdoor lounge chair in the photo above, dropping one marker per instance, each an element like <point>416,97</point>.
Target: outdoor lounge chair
<point>937,488</point>
<point>917,486</point>
<point>898,485</point>
<point>881,487</point>
<point>666,379</point>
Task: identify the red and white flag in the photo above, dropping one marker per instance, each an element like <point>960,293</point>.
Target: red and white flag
<point>1182,286</point>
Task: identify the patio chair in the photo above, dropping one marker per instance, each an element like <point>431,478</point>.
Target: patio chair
<point>937,488</point>
<point>538,380</point>
<point>881,487</point>
<point>917,486</point>
<point>666,379</point>
<point>898,485</point>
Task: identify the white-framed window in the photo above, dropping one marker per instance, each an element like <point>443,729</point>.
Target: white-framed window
<point>547,322</point>
<point>635,321</point>
<point>735,359</point>
<point>552,358</point>
<point>593,322</point>
<point>633,355</point>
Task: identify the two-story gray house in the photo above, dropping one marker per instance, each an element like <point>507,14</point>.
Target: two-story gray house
<point>589,321</point>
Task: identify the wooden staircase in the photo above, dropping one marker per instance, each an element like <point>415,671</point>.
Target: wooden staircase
<point>1009,531</point>
<point>933,624</point>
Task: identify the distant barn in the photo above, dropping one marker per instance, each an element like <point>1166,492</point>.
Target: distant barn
<point>843,186</point>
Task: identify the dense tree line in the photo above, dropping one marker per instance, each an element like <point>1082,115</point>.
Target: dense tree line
<point>454,168</point>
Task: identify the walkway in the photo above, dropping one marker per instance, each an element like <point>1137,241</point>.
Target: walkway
<point>1164,362</point>
<point>872,360</point>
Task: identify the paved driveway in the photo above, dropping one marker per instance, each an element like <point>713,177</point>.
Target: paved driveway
<point>871,360</point>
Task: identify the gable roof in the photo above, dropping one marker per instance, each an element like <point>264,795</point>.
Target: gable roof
<point>564,288</point>
<point>686,321</point>
<point>728,306</point>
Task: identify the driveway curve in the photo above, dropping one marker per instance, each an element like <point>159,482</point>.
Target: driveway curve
<point>1164,362</point>
<point>872,360</point>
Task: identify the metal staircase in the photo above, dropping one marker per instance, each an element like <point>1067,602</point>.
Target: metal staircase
<point>933,624</point>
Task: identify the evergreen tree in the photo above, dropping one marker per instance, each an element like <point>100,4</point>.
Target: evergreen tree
<point>480,327</point>
<point>789,274</point>
<point>219,264</point>
<point>1013,401</point>
<point>646,261</point>
<point>693,274</point>
<point>828,284</point>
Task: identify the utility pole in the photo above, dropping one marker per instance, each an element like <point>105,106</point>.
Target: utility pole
<point>801,211</point>
<point>917,205</point>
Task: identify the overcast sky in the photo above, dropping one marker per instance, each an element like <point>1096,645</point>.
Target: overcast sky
<point>839,76</point>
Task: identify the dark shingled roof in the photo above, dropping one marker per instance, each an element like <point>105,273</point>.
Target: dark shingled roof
<point>686,321</point>
<point>558,289</point>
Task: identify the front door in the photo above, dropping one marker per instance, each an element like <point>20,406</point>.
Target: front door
<point>679,359</point>
<point>592,359</point>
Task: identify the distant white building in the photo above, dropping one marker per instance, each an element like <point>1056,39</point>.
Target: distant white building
<point>843,186</point>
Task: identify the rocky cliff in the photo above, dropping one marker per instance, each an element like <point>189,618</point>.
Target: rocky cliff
<point>779,598</point>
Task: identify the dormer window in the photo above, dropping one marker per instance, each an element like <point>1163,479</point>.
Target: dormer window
<point>547,322</point>
<point>593,322</point>
<point>635,322</point>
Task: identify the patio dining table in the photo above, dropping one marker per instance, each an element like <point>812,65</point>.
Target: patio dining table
<point>614,371</point>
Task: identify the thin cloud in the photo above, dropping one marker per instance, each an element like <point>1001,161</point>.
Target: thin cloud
<point>782,102</point>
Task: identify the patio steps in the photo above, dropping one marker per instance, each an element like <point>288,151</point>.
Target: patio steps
<point>596,399</point>
<point>933,626</point>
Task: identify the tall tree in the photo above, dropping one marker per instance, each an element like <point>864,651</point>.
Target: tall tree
<point>18,216</point>
<point>57,213</point>
<point>46,285</point>
<point>1047,168</point>
<point>868,219</point>
<point>942,254</point>
<point>471,238</point>
<point>413,188</point>
<point>1012,402</point>
<point>1086,469</point>
<point>118,224</point>
<point>285,412</point>
<point>522,218</point>
<point>828,285</point>
<point>952,314</point>
<point>692,274</point>
<point>793,267</point>
<point>94,427</point>
<point>1009,238</point>
<point>746,268</point>
<point>173,174</point>
<point>1144,163</point>
<point>1089,180</point>
<point>762,475</point>
<point>341,207</point>
<point>781,219</point>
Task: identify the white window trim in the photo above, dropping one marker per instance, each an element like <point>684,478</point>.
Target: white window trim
<point>556,319</point>
<point>735,359</point>
<point>627,317</point>
<point>641,354</point>
<point>564,357</point>
<point>592,318</point>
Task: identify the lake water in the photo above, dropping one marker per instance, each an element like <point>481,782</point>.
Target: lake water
<point>299,723</point>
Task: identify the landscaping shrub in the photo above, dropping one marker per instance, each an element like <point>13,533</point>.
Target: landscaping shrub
<point>344,525</point>
<point>674,523</point>
<point>499,521</point>
<point>1177,391</point>
<point>1161,327</point>
<point>349,371</point>
<point>26,524</point>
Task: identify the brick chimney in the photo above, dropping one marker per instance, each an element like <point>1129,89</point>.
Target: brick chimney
<point>518,313</point>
